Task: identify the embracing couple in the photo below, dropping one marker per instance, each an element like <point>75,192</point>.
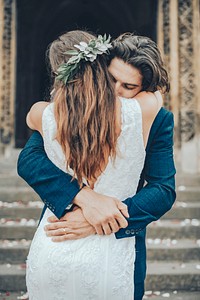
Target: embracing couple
<point>101,159</point>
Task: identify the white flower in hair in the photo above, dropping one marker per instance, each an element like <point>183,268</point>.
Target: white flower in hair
<point>87,52</point>
<point>82,46</point>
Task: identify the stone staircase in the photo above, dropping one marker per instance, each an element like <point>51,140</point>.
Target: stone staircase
<point>173,242</point>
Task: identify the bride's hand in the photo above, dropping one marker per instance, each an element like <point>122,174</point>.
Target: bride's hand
<point>71,226</point>
<point>106,214</point>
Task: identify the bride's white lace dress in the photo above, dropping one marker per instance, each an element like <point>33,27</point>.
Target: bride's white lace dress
<point>96,267</point>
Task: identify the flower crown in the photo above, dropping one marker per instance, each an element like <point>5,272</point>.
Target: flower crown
<point>86,52</point>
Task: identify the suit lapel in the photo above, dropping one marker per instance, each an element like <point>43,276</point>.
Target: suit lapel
<point>155,126</point>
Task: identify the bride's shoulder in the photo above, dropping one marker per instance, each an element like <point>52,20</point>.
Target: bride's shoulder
<point>150,104</point>
<point>34,116</point>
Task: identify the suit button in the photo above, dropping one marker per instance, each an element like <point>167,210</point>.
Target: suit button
<point>69,206</point>
<point>127,231</point>
<point>132,231</point>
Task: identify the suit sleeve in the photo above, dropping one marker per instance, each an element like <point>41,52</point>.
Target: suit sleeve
<point>55,187</point>
<point>158,196</point>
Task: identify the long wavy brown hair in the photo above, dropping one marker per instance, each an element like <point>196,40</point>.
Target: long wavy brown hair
<point>85,110</point>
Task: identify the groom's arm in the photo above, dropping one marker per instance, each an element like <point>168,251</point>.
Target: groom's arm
<point>148,205</point>
<point>57,190</point>
<point>54,186</point>
<point>158,196</point>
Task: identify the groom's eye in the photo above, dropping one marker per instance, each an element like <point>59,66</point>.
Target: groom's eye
<point>128,87</point>
<point>113,78</point>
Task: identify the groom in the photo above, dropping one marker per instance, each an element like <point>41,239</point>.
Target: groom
<point>153,200</point>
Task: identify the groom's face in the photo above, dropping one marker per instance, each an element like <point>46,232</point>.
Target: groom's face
<point>128,79</point>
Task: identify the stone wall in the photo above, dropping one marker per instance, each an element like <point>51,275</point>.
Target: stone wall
<point>179,40</point>
<point>7,73</point>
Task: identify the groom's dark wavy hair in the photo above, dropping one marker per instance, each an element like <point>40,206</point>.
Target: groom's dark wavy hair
<point>142,53</point>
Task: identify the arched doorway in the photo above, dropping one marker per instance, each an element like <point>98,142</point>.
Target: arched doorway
<point>39,22</point>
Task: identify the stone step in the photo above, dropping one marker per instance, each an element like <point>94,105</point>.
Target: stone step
<point>187,194</point>
<point>163,229</point>
<point>173,276</point>
<point>20,193</point>
<point>184,210</point>
<point>172,295</point>
<point>21,295</point>
<point>11,180</point>
<point>160,276</point>
<point>13,230</point>
<point>187,179</point>
<point>157,295</point>
<point>19,210</point>
<point>16,251</point>
<point>12,277</point>
<point>9,176</point>
<point>170,250</point>
<point>24,193</point>
<point>174,229</point>
<point>32,210</point>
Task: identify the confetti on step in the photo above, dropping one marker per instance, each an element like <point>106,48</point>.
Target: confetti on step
<point>198,267</point>
<point>157,293</point>
<point>181,204</point>
<point>157,241</point>
<point>174,242</point>
<point>22,222</point>
<point>181,188</point>
<point>198,242</point>
<point>22,266</point>
<point>15,243</point>
<point>166,295</point>
<point>23,297</point>
<point>166,242</point>
<point>20,204</point>
<point>195,222</point>
<point>150,241</point>
<point>148,293</point>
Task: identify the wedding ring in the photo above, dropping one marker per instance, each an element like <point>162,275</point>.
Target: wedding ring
<point>64,230</point>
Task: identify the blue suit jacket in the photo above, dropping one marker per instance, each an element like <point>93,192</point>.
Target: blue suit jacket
<point>149,204</point>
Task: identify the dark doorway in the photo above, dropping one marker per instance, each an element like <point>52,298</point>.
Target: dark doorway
<point>40,22</point>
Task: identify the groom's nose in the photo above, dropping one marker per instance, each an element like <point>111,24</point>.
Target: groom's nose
<point>118,88</point>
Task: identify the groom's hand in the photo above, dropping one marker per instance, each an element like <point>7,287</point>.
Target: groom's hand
<point>71,226</point>
<point>106,214</point>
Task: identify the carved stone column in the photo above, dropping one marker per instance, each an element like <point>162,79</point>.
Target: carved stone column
<point>188,23</point>
<point>178,38</point>
<point>7,72</point>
